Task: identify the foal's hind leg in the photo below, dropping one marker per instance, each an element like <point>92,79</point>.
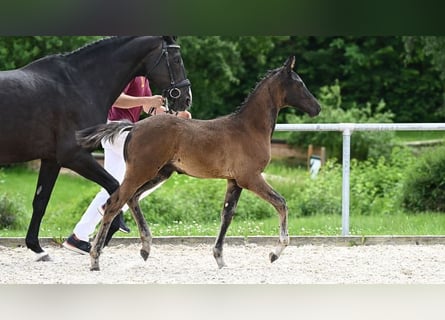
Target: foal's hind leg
<point>133,203</point>
<point>144,230</point>
<point>233,193</point>
<point>260,187</point>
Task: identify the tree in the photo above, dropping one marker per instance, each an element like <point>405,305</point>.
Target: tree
<point>16,52</point>
<point>224,69</point>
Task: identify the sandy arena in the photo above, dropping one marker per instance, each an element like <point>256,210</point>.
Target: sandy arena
<point>247,264</point>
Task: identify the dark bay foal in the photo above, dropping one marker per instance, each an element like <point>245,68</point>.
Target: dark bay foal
<point>235,147</point>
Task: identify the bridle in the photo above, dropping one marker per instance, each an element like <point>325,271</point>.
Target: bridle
<point>173,91</point>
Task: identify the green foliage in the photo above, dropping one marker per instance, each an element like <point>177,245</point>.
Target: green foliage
<point>364,144</point>
<point>8,213</point>
<point>375,186</point>
<point>376,183</point>
<point>189,206</point>
<point>321,195</point>
<point>11,208</point>
<point>224,69</point>
<point>16,52</point>
<point>424,187</point>
<point>371,69</point>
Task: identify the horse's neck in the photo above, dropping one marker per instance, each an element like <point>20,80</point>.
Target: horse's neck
<point>260,111</point>
<point>111,67</point>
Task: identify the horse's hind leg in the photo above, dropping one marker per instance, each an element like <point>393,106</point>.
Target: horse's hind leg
<point>49,170</point>
<point>233,193</point>
<point>263,190</point>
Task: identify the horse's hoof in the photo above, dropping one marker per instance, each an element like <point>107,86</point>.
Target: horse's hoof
<point>272,257</point>
<point>43,256</point>
<point>95,268</point>
<point>220,262</point>
<point>144,254</point>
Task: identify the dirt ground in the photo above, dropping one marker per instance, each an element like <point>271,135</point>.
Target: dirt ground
<point>247,264</point>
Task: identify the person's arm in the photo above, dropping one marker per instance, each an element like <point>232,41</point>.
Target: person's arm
<point>151,104</point>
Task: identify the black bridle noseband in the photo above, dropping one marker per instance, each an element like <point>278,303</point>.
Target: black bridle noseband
<point>173,91</point>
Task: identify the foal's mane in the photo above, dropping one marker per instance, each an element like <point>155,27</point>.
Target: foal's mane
<point>268,75</point>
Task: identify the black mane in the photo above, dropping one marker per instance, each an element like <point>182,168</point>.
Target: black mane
<point>268,75</point>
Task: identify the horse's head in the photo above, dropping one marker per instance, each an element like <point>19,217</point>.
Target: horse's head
<point>296,94</point>
<point>170,73</point>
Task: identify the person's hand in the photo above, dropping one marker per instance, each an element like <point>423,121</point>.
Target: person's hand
<point>184,114</point>
<point>154,105</point>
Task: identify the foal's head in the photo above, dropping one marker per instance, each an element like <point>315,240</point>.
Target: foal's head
<point>295,92</point>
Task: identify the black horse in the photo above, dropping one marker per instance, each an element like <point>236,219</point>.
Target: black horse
<point>44,103</point>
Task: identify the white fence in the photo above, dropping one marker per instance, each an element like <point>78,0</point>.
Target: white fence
<point>347,129</point>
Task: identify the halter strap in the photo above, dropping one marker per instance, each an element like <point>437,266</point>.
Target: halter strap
<point>173,91</point>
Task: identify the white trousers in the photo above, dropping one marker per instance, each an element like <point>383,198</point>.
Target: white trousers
<point>114,163</point>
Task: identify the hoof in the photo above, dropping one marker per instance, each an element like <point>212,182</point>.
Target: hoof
<point>220,262</point>
<point>144,254</point>
<point>43,256</point>
<point>95,268</point>
<point>272,257</point>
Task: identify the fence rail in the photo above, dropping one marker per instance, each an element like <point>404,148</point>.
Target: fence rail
<point>347,129</point>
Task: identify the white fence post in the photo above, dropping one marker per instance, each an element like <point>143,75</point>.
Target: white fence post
<point>345,185</point>
<point>347,129</point>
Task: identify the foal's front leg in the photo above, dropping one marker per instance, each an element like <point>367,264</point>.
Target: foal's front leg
<point>232,196</point>
<point>99,240</point>
<point>262,189</point>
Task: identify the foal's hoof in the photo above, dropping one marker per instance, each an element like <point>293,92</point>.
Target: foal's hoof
<point>144,254</point>
<point>221,264</point>
<point>95,268</point>
<point>272,257</point>
<point>43,256</point>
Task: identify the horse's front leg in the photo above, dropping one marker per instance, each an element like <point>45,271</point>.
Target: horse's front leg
<point>49,170</point>
<point>262,189</point>
<point>233,193</point>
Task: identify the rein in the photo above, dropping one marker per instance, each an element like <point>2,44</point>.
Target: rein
<point>173,91</point>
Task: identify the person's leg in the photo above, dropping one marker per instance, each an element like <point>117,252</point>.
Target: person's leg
<point>115,165</point>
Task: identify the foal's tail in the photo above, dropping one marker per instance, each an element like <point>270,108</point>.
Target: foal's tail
<point>90,138</point>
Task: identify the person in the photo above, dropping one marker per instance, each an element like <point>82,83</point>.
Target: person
<point>135,98</point>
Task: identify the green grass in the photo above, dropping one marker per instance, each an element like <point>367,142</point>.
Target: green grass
<point>73,194</point>
<point>406,136</point>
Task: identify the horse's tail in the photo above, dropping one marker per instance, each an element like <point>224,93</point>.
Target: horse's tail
<point>90,138</point>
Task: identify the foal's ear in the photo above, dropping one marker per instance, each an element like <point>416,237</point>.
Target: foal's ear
<point>290,63</point>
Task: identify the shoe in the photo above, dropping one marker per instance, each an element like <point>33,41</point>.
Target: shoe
<point>122,226</point>
<point>77,245</point>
